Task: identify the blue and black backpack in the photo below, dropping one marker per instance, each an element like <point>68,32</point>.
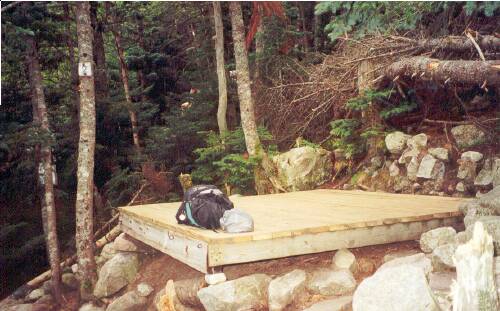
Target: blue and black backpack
<point>203,207</point>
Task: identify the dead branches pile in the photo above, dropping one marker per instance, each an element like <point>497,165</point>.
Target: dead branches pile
<point>301,101</point>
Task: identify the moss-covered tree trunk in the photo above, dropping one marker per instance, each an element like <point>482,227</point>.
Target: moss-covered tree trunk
<point>45,169</point>
<point>85,172</point>
<point>265,176</point>
<point>221,70</point>
<point>125,80</point>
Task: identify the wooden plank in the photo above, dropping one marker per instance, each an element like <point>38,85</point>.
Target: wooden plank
<point>189,251</point>
<point>231,253</point>
<point>308,212</point>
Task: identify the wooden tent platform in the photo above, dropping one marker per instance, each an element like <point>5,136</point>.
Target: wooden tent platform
<point>291,224</point>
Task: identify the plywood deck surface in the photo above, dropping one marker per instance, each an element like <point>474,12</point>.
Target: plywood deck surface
<point>297,213</point>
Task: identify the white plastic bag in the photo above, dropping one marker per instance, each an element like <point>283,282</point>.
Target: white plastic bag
<point>236,221</point>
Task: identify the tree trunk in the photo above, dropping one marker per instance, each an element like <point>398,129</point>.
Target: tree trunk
<point>73,64</point>
<point>483,73</point>
<point>85,173</point>
<point>370,117</point>
<point>461,43</point>
<point>221,71</point>
<point>125,80</point>
<point>140,39</point>
<point>318,33</point>
<point>45,170</point>
<point>475,286</point>
<point>248,122</point>
<point>101,79</point>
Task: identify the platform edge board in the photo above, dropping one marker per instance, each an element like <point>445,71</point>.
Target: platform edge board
<point>220,254</point>
<point>189,231</point>
<point>189,251</point>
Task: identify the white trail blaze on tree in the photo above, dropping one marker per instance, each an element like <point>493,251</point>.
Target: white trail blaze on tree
<point>221,71</point>
<point>475,288</point>
<point>86,147</point>
<point>45,171</point>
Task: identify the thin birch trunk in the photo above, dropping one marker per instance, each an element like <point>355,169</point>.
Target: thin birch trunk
<point>45,170</point>
<point>221,71</point>
<point>125,80</point>
<point>86,147</point>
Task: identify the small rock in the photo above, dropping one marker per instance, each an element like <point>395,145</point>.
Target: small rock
<point>343,303</point>
<point>461,238</point>
<point>460,187</point>
<point>496,172</point>
<point>394,169</point>
<point>116,273</point>
<point>468,135</point>
<point>328,282</point>
<point>366,266</point>
<point>418,260</point>
<point>130,301</point>
<point>35,294</point>
<point>344,259</point>
<point>441,281</point>
<point>437,237</point>
<point>466,170</point>
<point>246,293</point>
<point>397,288</point>
<point>144,289</point>
<point>90,307</point>
<point>377,162</point>
<point>70,280</point>
<point>215,278</point>
<point>439,153</point>
<point>396,142</point>
<point>123,243</point>
<point>74,268</point>
<point>399,254</point>
<point>417,142</point>
<point>485,175</point>
<point>416,186</point>
<point>347,187</point>
<point>412,169</point>
<point>430,168</point>
<point>284,289</point>
<point>442,257</point>
<point>473,156</point>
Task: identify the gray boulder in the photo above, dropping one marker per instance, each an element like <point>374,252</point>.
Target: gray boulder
<point>246,293</point>
<point>460,187</point>
<point>430,168</point>
<point>343,303</point>
<point>344,259</point>
<point>468,135</point>
<point>437,237</point>
<point>491,200</point>
<point>396,142</point>
<point>284,289</point>
<point>419,261</point>
<point>130,301</point>
<point>399,254</point>
<point>439,153</point>
<point>442,257</point>
<point>412,169</point>
<point>418,142</point>
<point>116,273</point>
<point>304,168</point>
<point>397,288</point>
<point>394,169</point>
<point>466,169</point>
<point>123,243</point>
<point>492,225</point>
<point>329,282</point>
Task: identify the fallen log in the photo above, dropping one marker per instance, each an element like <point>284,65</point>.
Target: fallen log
<point>461,44</point>
<point>483,73</point>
